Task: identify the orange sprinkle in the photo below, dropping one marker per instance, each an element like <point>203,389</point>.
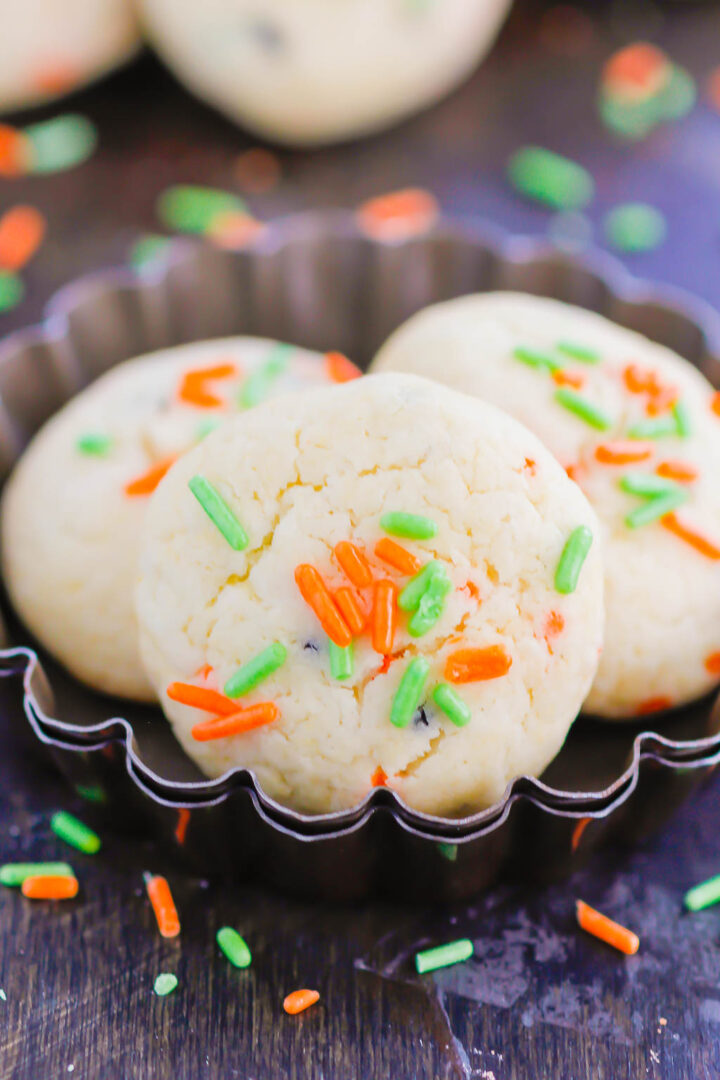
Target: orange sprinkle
<point>639,381</point>
<point>661,401</point>
<point>350,609</point>
<point>182,823</point>
<point>199,697</point>
<point>50,887</point>
<point>146,483</point>
<point>56,78</point>
<point>379,777</point>
<point>639,69</point>
<point>712,663</point>
<point>397,556</point>
<point>163,905</point>
<point>257,170</point>
<point>677,470</point>
<point>384,616</point>
<point>623,453</point>
<point>315,593</point>
<point>204,672</point>
<point>234,230</point>
<point>573,471</point>
<point>354,563</point>
<point>593,922</point>
<point>242,720</point>
<point>339,368</point>
<point>21,232</point>
<point>653,705</point>
<point>476,665</point>
<point>472,588</point>
<point>192,388</point>
<point>14,155</point>
<point>706,547</point>
<point>713,88</point>
<point>715,402</point>
<point>300,1000</point>
<point>530,465</point>
<point>569,378</point>
<point>577,833</point>
<point>554,625</point>
<point>398,215</point>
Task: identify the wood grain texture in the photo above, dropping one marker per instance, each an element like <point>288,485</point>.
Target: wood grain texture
<point>539,1000</point>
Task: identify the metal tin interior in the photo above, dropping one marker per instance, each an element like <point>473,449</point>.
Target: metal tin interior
<point>318,281</point>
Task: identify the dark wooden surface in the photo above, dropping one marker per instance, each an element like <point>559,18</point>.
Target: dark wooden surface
<point>539,1000</point>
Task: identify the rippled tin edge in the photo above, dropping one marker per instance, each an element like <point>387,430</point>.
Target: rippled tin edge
<point>69,335</point>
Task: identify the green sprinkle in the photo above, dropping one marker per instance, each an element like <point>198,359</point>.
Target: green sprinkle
<point>257,386</point>
<point>656,508</point>
<point>683,424</point>
<point>12,290</point>
<point>165,984</point>
<point>551,179</point>
<point>409,598</point>
<point>448,851</point>
<point>205,427</point>
<point>233,947</point>
<point>431,605</point>
<point>13,874</point>
<point>342,661</point>
<point>3,995</point>
<point>409,526</point>
<point>60,143</point>
<point>452,705</point>
<point>679,94</point>
<point>578,352</point>
<point>91,793</point>
<point>255,671</point>
<point>75,833</point>
<point>147,250</point>
<point>703,895</point>
<point>647,484</point>
<point>654,429</point>
<point>635,227</point>
<point>571,561</point>
<point>443,956</point>
<point>583,408</point>
<point>193,209</point>
<point>536,359</point>
<point>98,445</point>
<point>409,693</point>
<point>219,512</point>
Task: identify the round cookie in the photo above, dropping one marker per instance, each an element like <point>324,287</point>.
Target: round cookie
<point>314,71</point>
<point>259,610</point>
<point>649,430</point>
<point>73,508</point>
<point>50,47</point>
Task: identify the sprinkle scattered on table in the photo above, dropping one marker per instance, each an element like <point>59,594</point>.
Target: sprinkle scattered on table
<point>22,229</point>
<point>703,895</point>
<point>60,143</point>
<point>443,956</point>
<point>642,88</point>
<point>165,984</point>
<point>300,1000</point>
<point>635,227</point>
<point>191,208</point>
<point>234,947</point>
<point>550,178</point>
<point>75,833</point>
<point>600,926</point>
<point>14,874</point>
<point>147,251</point>
<point>12,290</point>
<point>163,905</point>
<point>399,215</point>
<point>50,887</point>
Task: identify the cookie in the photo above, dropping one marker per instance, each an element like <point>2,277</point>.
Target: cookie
<point>380,583</point>
<point>74,506</point>
<point>635,426</point>
<point>321,70</point>
<point>51,47</point>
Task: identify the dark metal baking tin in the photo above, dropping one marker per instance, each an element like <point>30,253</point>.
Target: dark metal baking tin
<point>318,281</point>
